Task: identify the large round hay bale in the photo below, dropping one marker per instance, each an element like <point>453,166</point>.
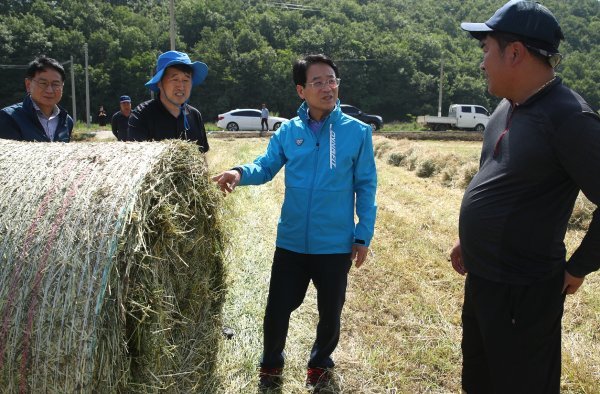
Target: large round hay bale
<point>111,274</point>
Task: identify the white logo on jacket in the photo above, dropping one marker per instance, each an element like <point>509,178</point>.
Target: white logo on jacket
<point>331,147</point>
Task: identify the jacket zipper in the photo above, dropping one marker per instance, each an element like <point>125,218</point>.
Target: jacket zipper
<point>312,186</point>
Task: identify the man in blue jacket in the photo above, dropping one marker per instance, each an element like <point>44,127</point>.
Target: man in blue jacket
<point>330,173</point>
<point>38,117</point>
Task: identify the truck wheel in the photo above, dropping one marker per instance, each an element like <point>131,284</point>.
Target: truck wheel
<point>480,128</point>
<point>439,127</point>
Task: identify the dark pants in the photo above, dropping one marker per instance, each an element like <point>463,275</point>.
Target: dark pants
<point>290,276</point>
<point>512,336</point>
<point>264,125</point>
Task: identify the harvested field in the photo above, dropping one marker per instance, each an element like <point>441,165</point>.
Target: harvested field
<point>111,273</point>
<point>401,326</point>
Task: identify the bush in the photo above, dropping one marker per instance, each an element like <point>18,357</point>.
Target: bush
<point>426,169</point>
<point>395,159</point>
<point>381,149</point>
<point>468,171</point>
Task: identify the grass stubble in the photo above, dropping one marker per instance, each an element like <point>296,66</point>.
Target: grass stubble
<point>401,324</point>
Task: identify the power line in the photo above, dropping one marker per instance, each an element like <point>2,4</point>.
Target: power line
<point>356,60</point>
<point>15,66</point>
<point>292,6</point>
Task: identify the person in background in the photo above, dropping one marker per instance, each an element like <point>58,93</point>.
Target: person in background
<point>102,116</point>
<point>39,117</point>
<point>169,115</point>
<point>540,148</point>
<point>330,175</point>
<point>264,118</point>
<point>120,119</point>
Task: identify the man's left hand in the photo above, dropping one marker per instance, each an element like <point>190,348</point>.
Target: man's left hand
<point>572,283</point>
<point>359,253</point>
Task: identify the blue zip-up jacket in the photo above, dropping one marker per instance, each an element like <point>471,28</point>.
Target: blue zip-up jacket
<point>20,122</point>
<point>327,175</point>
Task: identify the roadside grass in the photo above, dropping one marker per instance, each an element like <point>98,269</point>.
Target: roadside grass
<point>401,324</point>
<point>397,126</point>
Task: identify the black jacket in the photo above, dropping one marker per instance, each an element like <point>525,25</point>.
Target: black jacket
<point>20,122</point>
<point>151,121</point>
<point>119,124</point>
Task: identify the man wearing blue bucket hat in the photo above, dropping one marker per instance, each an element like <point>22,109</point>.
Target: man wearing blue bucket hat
<point>540,149</point>
<point>170,116</point>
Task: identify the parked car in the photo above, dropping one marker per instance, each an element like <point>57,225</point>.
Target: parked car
<point>375,121</point>
<point>246,119</point>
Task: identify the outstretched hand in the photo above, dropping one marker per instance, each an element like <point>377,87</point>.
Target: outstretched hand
<point>227,180</point>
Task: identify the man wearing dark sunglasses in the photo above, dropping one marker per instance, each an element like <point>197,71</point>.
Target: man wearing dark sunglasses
<point>541,148</point>
<point>38,117</point>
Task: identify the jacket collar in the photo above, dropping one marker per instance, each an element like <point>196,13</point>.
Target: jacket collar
<point>542,92</point>
<point>30,106</point>
<point>335,114</point>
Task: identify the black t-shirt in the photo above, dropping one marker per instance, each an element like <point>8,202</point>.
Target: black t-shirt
<point>515,211</point>
<point>151,121</point>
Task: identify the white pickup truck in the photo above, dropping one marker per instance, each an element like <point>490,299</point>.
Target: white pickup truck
<point>460,116</point>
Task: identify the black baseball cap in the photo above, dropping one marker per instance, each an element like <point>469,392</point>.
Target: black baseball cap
<point>527,19</point>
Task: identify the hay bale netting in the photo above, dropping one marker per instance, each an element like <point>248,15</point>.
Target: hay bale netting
<point>111,274</point>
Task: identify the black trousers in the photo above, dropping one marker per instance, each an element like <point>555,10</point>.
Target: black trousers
<point>264,125</point>
<point>512,336</point>
<point>290,276</point>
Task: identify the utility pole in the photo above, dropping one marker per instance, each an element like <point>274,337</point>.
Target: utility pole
<point>73,91</point>
<point>441,84</point>
<point>87,87</point>
<point>172,18</point>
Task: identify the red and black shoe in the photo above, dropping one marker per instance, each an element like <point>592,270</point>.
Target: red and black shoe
<point>270,378</point>
<point>317,378</point>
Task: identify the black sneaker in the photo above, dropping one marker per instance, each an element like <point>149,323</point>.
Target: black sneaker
<point>317,378</point>
<point>270,378</point>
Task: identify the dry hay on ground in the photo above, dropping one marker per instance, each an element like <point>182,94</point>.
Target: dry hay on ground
<point>452,170</point>
<point>111,274</point>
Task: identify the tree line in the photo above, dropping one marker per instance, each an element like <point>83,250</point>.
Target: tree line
<point>388,51</point>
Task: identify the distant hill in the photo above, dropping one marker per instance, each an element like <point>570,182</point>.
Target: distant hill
<point>388,51</point>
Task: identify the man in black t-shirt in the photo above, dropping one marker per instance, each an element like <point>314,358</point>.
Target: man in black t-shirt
<point>540,149</point>
<point>169,116</point>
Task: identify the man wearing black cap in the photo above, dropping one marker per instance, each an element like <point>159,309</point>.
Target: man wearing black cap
<point>540,148</point>
<point>121,118</point>
<point>170,116</point>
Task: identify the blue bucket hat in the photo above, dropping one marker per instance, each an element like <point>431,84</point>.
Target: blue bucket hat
<point>527,19</point>
<point>170,58</point>
<point>125,99</point>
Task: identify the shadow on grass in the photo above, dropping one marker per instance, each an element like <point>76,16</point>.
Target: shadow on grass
<point>332,387</point>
